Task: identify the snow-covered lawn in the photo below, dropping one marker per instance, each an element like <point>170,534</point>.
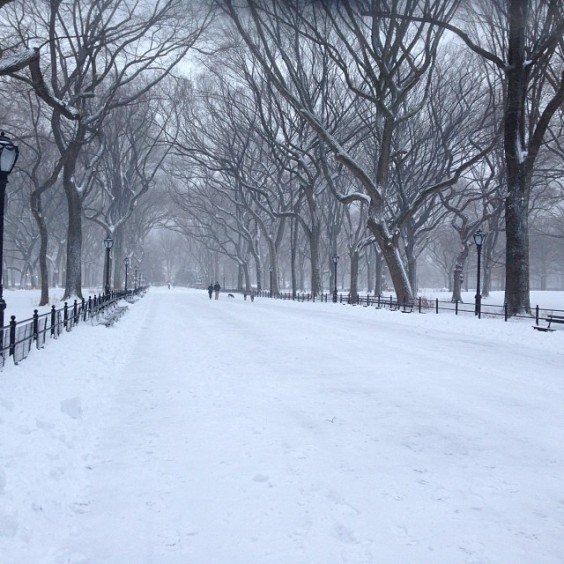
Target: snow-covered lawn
<point>230,432</point>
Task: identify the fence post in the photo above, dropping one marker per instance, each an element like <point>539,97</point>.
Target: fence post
<point>66,315</point>
<point>53,318</point>
<point>12,335</point>
<point>419,299</point>
<point>536,315</point>
<point>44,334</point>
<point>75,312</point>
<point>456,307</point>
<point>83,309</point>
<point>35,324</point>
<point>437,305</point>
<point>505,312</point>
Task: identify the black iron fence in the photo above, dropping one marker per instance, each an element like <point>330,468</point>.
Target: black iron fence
<point>421,305</point>
<point>19,337</point>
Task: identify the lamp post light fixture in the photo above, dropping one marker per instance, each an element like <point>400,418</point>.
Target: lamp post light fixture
<point>8,157</point>
<point>108,243</point>
<point>479,239</point>
<point>126,262</point>
<point>335,261</point>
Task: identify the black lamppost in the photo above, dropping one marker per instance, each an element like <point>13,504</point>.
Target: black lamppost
<point>108,243</point>
<point>126,262</point>
<point>8,157</point>
<point>335,261</point>
<point>479,239</point>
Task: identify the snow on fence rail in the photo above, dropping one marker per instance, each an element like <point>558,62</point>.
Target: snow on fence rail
<point>18,338</point>
<point>421,305</point>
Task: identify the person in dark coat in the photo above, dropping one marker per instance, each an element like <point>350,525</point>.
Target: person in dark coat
<point>210,290</point>
<point>216,289</point>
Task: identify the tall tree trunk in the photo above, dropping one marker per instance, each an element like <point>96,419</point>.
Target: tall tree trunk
<point>369,271</point>
<point>517,201</point>
<point>37,211</point>
<point>43,243</point>
<point>458,274</point>
<point>258,273</point>
<point>244,282</point>
<point>517,252</point>
<point>486,267</point>
<point>354,257</point>
<point>314,257</point>
<point>293,255</point>
<point>411,266</point>
<point>411,259</point>
<point>73,281</point>
<point>378,273</point>
<point>457,279</point>
<point>389,248</point>
<point>273,273</point>
<point>118,254</point>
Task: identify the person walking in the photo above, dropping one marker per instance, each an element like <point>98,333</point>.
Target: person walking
<point>216,289</point>
<point>210,290</point>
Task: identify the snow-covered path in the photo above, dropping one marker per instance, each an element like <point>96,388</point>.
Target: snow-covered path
<point>233,432</point>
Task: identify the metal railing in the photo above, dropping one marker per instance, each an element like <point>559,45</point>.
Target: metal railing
<point>19,337</point>
<point>421,305</point>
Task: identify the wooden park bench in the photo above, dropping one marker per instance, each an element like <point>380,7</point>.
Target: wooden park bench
<point>110,316</point>
<point>551,319</point>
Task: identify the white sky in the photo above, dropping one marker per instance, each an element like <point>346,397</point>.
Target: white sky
<point>233,432</point>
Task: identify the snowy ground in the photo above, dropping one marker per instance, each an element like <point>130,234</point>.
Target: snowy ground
<point>233,432</point>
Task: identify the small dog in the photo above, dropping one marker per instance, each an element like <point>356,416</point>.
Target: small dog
<point>230,296</point>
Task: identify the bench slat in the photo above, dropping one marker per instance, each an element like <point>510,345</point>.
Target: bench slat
<point>551,318</point>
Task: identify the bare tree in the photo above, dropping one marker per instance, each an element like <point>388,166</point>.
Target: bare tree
<point>103,55</point>
<point>523,41</point>
<point>132,157</point>
<point>381,61</point>
<point>20,59</point>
